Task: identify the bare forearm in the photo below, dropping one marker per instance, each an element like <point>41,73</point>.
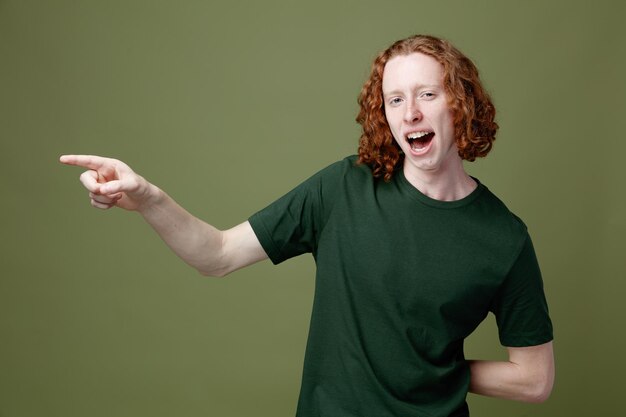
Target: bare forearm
<point>528,375</point>
<point>211,251</point>
<point>502,380</point>
<point>197,243</point>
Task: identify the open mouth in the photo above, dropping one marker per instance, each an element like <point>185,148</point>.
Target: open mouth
<point>418,141</point>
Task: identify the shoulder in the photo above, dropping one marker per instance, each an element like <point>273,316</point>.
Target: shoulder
<point>337,173</point>
<point>348,165</point>
<point>498,210</point>
<point>499,223</point>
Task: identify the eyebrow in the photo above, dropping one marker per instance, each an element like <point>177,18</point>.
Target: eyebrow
<point>417,87</point>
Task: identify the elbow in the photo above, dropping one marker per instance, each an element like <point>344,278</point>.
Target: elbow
<point>216,266</point>
<point>537,396</point>
<point>536,372</point>
<point>213,273</point>
<point>541,388</point>
<point>213,269</point>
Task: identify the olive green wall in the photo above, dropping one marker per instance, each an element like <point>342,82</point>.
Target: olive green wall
<point>227,105</point>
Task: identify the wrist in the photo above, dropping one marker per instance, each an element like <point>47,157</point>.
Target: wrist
<point>152,197</point>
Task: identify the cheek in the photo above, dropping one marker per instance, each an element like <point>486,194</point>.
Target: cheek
<point>396,135</point>
<point>392,121</point>
<point>445,121</point>
<point>450,114</point>
<point>388,117</point>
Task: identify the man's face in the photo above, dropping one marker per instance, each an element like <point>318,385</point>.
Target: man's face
<point>418,115</point>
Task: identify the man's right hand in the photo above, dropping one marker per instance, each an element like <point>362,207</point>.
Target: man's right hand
<point>111,182</point>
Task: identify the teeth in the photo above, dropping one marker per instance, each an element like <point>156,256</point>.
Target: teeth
<point>416,135</point>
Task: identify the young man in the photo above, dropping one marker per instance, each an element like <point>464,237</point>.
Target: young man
<point>411,252</point>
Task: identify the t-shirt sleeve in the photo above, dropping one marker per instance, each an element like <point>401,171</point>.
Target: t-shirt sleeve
<point>520,306</point>
<point>291,225</point>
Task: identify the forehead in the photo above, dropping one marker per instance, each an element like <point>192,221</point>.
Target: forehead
<point>408,71</point>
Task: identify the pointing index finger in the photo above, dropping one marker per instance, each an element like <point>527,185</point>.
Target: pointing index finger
<point>85,161</point>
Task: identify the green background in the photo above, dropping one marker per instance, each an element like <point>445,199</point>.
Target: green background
<point>227,105</point>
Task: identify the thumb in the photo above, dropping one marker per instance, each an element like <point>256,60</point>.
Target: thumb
<point>112,187</point>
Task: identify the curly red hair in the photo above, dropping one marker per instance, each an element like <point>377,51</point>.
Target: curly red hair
<point>473,111</point>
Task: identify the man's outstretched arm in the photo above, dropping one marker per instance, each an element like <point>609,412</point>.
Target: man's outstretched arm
<point>527,376</point>
<point>112,183</point>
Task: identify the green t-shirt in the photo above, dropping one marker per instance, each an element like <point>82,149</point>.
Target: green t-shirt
<point>401,281</point>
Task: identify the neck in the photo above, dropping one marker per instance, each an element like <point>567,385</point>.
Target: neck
<point>444,184</point>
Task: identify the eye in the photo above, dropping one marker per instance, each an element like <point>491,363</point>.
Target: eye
<point>427,95</point>
<point>394,101</point>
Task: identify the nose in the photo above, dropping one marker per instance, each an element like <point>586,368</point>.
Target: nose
<point>412,113</point>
